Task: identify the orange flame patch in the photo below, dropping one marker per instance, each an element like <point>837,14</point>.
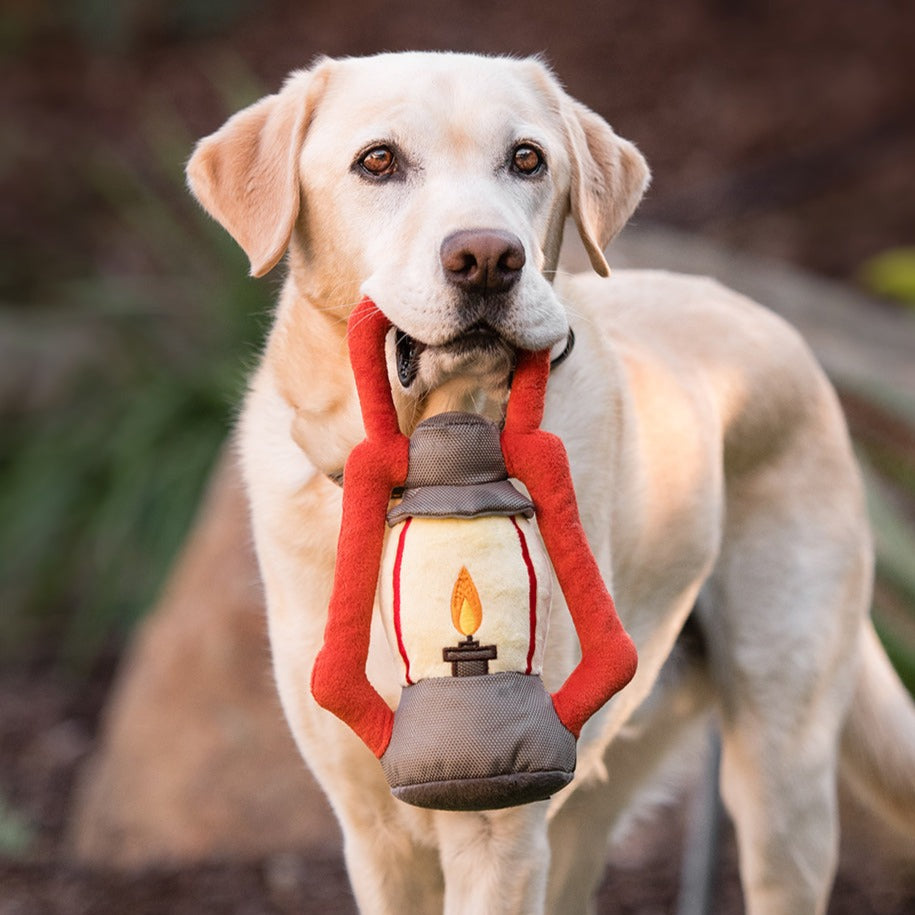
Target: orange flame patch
<point>466,607</point>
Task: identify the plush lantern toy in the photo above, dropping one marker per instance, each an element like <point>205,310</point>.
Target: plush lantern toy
<point>464,585</point>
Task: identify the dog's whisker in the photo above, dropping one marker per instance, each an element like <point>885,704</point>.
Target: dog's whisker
<point>358,323</point>
<point>580,316</point>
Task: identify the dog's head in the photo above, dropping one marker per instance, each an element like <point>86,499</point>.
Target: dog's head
<point>437,184</point>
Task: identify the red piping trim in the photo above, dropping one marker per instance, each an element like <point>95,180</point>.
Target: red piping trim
<point>398,560</point>
<point>532,578</point>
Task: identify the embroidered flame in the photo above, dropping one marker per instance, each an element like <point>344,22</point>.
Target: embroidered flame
<point>466,608</point>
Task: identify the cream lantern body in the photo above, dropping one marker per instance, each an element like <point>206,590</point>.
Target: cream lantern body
<point>426,558</point>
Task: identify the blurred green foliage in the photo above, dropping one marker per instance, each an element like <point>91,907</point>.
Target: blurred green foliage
<point>891,275</point>
<point>894,599</point>
<point>16,834</point>
<point>123,390</point>
<point>886,449</point>
<point>889,463</point>
<point>105,26</point>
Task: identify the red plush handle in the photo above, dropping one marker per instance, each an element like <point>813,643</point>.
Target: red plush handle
<point>374,468</point>
<point>524,411</point>
<point>539,460</point>
<point>365,333</point>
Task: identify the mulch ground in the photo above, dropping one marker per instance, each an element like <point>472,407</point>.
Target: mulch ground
<point>782,128</point>
<point>46,728</point>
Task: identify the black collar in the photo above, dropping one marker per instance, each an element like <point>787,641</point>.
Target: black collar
<point>556,361</point>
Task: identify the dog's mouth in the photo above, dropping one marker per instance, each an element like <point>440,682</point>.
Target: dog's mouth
<point>478,340</point>
<point>408,351</point>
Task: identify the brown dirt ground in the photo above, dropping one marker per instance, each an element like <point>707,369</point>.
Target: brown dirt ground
<point>46,728</point>
<point>786,129</point>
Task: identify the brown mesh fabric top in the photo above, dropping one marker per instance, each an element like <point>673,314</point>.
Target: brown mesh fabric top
<point>457,471</point>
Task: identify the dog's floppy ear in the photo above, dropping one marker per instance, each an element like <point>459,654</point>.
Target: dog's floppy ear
<point>246,174</point>
<point>609,176</point>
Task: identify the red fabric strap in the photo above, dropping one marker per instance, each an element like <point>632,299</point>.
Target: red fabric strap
<point>374,468</point>
<point>538,459</point>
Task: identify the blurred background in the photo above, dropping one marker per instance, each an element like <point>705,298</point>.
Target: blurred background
<point>778,129</point>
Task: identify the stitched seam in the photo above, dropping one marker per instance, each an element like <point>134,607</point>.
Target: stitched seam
<point>532,578</point>
<point>398,630</point>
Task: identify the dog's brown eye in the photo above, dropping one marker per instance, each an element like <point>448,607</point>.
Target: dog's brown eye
<point>527,160</point>
<point>379,162</point>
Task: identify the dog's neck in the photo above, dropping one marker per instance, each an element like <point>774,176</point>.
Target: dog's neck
<point>308,355</point>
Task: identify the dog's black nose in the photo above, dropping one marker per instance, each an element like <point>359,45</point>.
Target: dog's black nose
<point>482,260</point>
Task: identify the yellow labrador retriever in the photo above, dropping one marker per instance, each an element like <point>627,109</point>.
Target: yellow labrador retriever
<point>712,464</point>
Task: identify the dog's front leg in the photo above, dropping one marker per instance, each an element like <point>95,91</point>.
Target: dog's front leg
<point>296,511</point>
<point>495,862</point>
<point>390,859</point>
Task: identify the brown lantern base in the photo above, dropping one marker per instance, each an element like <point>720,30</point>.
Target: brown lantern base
<point>477,743</point>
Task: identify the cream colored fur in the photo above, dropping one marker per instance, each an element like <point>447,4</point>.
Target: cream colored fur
<point>711,461</point>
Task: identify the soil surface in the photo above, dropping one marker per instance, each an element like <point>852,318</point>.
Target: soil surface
<point>46,729</point>
<point>782,128</point>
